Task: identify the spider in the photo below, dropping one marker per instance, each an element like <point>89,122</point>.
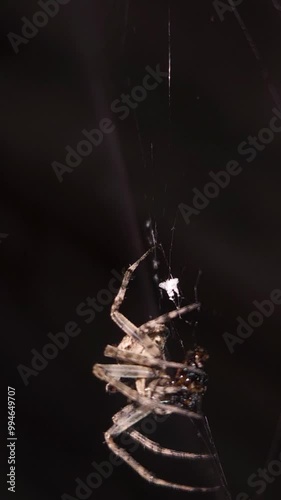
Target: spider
<point>151,389</point>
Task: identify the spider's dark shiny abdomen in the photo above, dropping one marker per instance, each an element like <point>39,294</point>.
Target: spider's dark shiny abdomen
<point>192,385</point>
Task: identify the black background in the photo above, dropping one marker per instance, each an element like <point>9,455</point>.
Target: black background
<point>65,238</point>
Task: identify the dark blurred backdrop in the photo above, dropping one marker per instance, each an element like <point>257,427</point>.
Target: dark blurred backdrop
<point>64,237</point>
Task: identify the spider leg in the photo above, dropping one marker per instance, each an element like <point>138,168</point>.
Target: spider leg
<point>156,448</point>
<point>123,421</point>
<point>164,318</point>
<point>131,371</point>
<point>133,395</point>
<point>140,359</point>
<point>100,372</point>
<point>133,331</point>
<point>125,282</point>
<point>125,411</point>
<point>127,417</point>
<point>146,474</point>
<point>165,390</point>
<point>124,323</point>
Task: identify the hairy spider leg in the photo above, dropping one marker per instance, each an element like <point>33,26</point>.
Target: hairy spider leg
<point>146,474</point>
<point>126,325</point>
<point>130,415</point>
<point>132,371</point>
<point>164,318</point>
<point>156,448</point>
<point>141,359</point>
<point>133,395</point>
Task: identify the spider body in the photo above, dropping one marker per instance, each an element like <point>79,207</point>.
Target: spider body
<point>192,385</point>
<point>151,383</point>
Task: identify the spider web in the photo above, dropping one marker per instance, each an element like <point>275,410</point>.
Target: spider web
<point>156,214</point>
<point>204,432</point>
<point>158,189</point>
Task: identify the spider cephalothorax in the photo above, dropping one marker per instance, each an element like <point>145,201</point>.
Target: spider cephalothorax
<point>143,375</point>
